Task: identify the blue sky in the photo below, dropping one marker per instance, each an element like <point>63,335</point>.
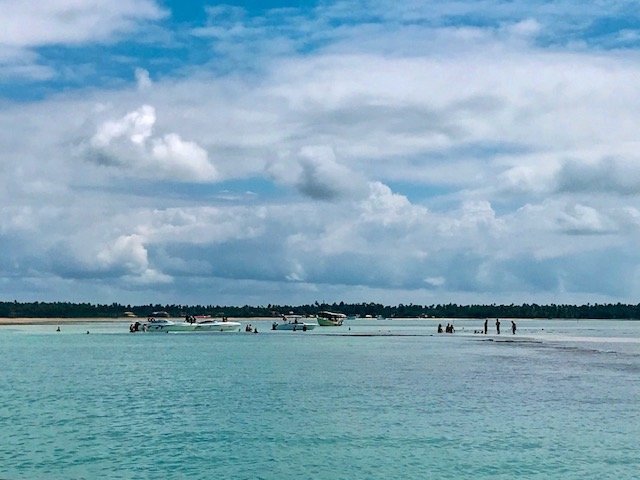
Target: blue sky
<point>281,152</point>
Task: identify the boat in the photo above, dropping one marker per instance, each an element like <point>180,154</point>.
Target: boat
<point>161,324</point>
<point>214,325</point>
<point>295,323</point>
<point>330,319</point>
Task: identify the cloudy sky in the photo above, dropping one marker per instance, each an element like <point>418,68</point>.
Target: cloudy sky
<point>290,152</point>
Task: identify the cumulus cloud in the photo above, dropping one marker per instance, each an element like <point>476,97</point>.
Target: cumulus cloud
<point>528,178</point>
<point>128,255</point>
<point>316,173</point>
<point>129,143</point>
<point>135,126</point>
<point>322,177</point>
<point>383,207</point>
<point>582,219</point>
<point>127,251</point>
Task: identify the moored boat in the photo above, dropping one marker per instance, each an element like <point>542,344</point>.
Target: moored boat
<point>330,319</point>
<point>212,325</point>
<point>296,323</point>
<point>154,324</point>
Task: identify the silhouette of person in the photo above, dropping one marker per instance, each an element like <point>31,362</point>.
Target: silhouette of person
<point>439,328</point>
<point>486,324</point>
<point>513,327</point>
<point>498,326</point>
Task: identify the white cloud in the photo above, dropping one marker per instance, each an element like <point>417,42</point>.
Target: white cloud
<point>582,219</point>
<point>17,62</point>
<point>527,28</point>
<point>128,256</point>
<point>143,81</point>
<point>135,127</point>
<point>181,159</point>
<point>383,207</point>
<point>127,251</point>
<point>128,142</point>
<point>25,24</point>
<point>435,281</point>
<point>315,172</point>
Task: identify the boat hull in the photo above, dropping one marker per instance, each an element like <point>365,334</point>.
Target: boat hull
<point>187,327</point>
<point>296,327</point>
<point>217,327</point>
<point>327,322</point>
<point>330,319</point>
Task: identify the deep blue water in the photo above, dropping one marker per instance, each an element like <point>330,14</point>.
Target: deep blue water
<point>560,400</point>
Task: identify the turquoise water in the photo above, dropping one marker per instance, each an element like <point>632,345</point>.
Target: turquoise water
<point>373,399</point>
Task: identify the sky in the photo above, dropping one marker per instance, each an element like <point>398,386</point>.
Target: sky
<point>277,152</point>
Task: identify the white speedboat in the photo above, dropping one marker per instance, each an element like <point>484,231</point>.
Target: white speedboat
<point>211,325</point>
<point>294,322</point>
<point>330,319</point>
<point>154,324</point>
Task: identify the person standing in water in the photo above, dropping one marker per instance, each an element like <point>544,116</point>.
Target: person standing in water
<point>498,326</point>
<point>513,327</point>
<point>486,324</point>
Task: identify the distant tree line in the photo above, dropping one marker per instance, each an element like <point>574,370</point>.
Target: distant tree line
<point>451,310</point>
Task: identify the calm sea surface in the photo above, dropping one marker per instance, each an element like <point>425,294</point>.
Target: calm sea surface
<point>376,399</point>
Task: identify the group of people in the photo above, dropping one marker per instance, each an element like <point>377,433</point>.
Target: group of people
<point>250,329</point>
<point>449,328</point>
<point>486,325</point>
<point>137,326</point>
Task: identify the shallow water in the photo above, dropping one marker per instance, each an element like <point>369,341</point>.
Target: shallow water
<point>372,399</point>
